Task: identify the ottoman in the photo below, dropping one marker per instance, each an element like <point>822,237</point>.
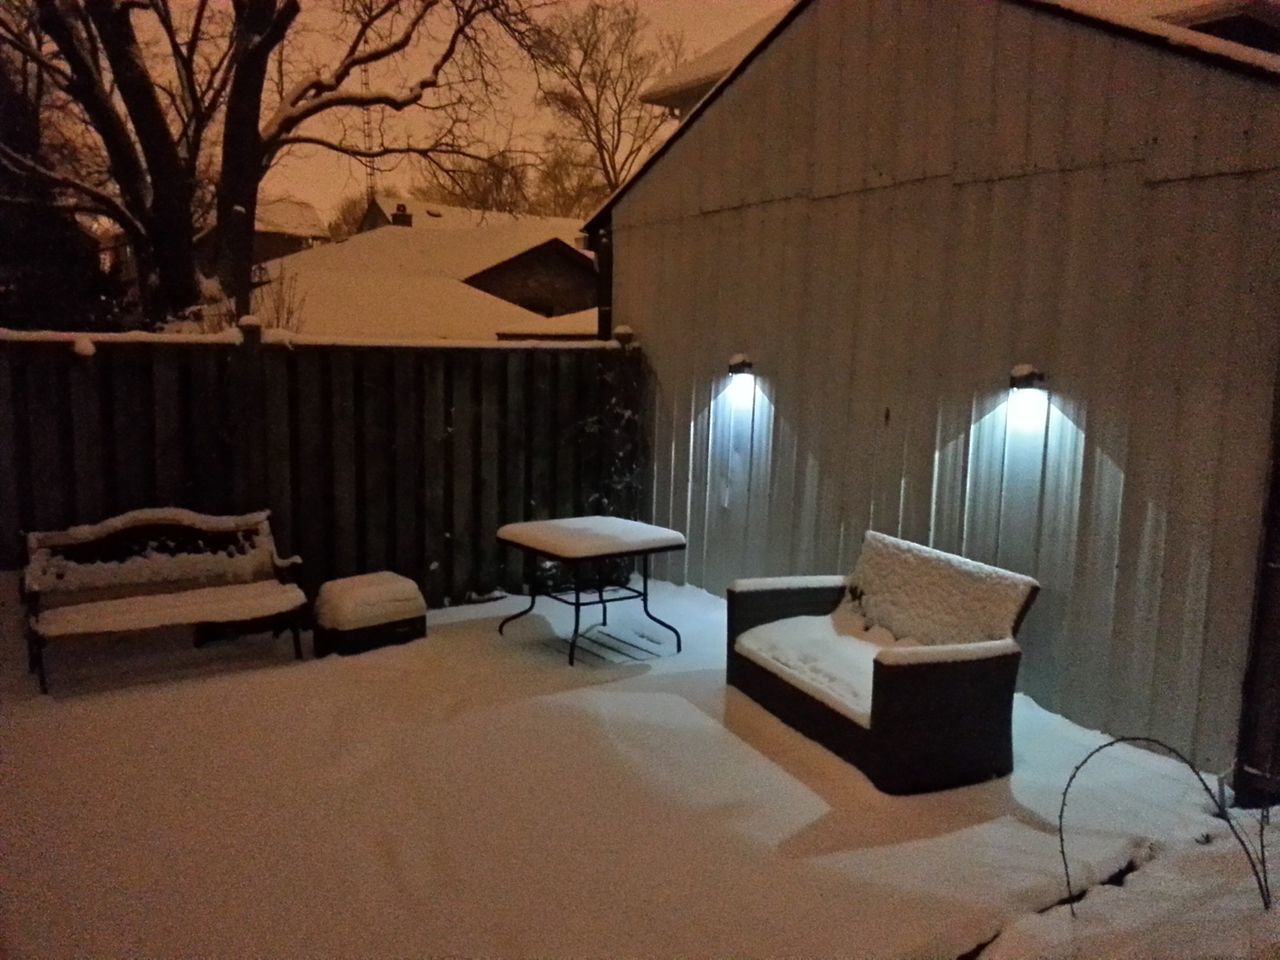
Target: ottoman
<point>355,614</point>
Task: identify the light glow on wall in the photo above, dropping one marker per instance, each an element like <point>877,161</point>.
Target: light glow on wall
<point>1028,410</point>
<point>741,392</point>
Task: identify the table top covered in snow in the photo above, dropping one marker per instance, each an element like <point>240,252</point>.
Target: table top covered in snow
<point>585,538</point>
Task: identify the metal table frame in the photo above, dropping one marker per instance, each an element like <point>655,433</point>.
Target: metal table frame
<point>576,564</point>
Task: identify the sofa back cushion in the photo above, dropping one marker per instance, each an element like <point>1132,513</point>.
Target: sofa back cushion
<point>934,597</point>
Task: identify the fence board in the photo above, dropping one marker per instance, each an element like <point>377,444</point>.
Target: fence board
<point>489,471</point>
<point>11,551</point>
<point>407,467</point>
<point>166,387</point>
<point>375,492</point>
<point>515,481</point>
<point>462,444</point>
<point>277,379</point>
<point>434,532</point>
<point>44,423</point>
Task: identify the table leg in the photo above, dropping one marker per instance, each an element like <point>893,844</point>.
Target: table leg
<point>533,598</point>
<point>577,613</point>
<point>644,596</point>
<point>604,607</point>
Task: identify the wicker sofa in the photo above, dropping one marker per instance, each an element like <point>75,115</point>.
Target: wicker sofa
<point>906,669</point>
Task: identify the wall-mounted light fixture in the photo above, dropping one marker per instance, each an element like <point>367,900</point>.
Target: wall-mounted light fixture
<point>742,382</point>
<point>1028,399</point>
<point>1026,377</point>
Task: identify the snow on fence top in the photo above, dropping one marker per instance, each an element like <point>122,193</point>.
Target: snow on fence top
<point>82,343</point>
<point>231,335</point>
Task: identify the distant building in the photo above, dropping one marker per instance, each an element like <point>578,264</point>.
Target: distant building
<point>281,227</point>
<point>387,210</point>
<point>416,286</point>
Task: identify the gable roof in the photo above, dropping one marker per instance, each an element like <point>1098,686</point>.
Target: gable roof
<point>294,218</point>
<point>399,285</point>
<point>1116,16</point>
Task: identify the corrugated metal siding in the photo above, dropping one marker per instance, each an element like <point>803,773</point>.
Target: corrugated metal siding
<point>899,200</point>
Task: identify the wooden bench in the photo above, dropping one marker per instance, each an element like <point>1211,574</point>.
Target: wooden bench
<point>156,568</point>
<point>906,669</point>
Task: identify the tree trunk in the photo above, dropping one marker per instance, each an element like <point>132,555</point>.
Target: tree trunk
<point>260,27</point>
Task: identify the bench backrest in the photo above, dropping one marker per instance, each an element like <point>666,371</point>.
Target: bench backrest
<point>935,597</point>
<point>148,551</point>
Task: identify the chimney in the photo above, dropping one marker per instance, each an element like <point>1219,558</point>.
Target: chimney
<point>402,217</point>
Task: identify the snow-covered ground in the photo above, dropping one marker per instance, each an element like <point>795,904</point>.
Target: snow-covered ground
<point>472,795</point>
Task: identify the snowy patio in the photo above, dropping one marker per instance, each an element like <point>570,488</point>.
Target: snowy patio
<point>473,795</point>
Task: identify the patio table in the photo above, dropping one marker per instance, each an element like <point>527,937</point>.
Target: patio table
<point>575,541</point>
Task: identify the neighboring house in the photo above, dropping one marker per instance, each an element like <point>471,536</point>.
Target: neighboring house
<point>281,227</point>
<point>387,210</point>
<point>889,205</point>
<point>285,226</point>
<point>417,286</point>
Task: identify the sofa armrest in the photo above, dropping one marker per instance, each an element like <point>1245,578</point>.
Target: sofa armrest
<point>774,584</point>
<point>946,652</point>
<point>952,698</point>
<point>757,601</point>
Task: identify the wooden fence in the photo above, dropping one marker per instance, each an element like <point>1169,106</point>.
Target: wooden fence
<point>369,458</point>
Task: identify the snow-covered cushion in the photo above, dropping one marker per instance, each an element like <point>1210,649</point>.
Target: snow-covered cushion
<point>935,597</point>
<point>831,657</point>
<point>222,604</point>
<point>368,600</point>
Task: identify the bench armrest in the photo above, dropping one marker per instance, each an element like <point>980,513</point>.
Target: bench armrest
<point>753,602</point>
<point>286,568</point>
<point>946,652</point>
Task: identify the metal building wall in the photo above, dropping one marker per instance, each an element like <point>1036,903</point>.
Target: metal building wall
<point>895,203</point>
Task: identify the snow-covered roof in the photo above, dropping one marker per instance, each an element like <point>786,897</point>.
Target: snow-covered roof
<point>694,78</point>
<point>397,285</point>
<point>462,253</point>
<point>1149,21</point>
<point>294,218</point>
<point>443,216</point>
<point>584,323</point>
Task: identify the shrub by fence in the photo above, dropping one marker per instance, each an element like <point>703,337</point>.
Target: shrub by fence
<point>400,458</point>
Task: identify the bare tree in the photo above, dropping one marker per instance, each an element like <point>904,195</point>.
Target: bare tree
<point>593,63</point>
<point>497,182</point>
<point>158,88</point>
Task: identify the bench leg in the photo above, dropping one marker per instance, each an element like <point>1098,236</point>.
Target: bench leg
<point>35,659</point>
<point>297,641</point>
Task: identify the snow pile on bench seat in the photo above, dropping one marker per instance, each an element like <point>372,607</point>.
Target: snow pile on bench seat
<point>368,600</point>
<point>831,658</point>
<point>575,538</point>
<point>221,604</point>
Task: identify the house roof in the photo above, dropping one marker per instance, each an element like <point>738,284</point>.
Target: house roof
<point>580,325</point>
<point>1136,20</point>
<point>443,216</point>
<point>398,285</point>
<point>294,218</point>
<point>694,78</point>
